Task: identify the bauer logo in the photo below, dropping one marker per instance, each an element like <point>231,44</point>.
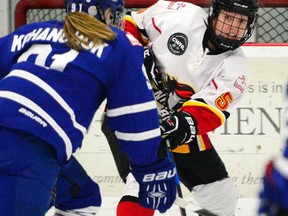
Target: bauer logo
<point>177,43</point>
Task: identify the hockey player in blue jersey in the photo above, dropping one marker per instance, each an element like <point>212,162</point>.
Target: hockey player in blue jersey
<point>54,76</point>
<point>274,194</point>
<point>75,191</point>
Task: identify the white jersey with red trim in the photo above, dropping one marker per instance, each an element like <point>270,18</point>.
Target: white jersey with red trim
<point>211,85</point>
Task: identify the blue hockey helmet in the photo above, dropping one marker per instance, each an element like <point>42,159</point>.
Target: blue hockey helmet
<point>107,11</point>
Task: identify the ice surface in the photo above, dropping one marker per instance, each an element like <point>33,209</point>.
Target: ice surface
<point>246,207</point>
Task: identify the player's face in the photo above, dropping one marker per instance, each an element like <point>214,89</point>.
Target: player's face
<point>230,25</point>
<point>112,19</point>
<point>109,17</point>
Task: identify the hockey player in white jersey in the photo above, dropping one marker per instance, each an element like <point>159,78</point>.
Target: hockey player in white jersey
<point>274,192</point>
<point>199,80</point>
<point>54,75</point>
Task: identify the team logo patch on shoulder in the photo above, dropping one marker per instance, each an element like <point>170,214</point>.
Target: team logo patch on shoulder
<point>177,43</point>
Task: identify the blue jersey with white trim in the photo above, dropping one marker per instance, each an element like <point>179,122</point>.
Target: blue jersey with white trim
<point>53,91</point>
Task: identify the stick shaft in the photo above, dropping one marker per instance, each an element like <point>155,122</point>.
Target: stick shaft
<point>178,186</point>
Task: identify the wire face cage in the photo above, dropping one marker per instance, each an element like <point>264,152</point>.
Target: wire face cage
<point>271,25</point>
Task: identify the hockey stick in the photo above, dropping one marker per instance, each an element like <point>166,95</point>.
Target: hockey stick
<point>178,186</point>
<point>193,207</point>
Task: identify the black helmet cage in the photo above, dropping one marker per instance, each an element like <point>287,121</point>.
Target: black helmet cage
<point>243,7</point>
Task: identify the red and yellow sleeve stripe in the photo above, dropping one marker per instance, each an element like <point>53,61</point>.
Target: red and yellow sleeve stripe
<point>131,27</point>
<point>208,118</point>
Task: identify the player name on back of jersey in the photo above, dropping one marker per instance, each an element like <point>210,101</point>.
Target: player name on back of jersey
<point>51,35</point>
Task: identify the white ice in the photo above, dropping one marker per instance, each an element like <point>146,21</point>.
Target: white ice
<point>246,207</point>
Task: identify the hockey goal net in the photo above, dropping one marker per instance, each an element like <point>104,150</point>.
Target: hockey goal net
<point>271,25</point>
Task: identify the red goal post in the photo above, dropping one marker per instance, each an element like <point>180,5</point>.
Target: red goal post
<point>273,29</point>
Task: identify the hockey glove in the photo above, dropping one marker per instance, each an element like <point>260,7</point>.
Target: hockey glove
<point>154,76</point>
<point>157,185</point>
<point>178,129</point>
<point>274,195</point>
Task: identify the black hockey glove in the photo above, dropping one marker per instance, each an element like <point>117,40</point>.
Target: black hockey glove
<point>154,76</point>
<point>178,129</point>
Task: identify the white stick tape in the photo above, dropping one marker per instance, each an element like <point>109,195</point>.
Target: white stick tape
<point>192,207</point>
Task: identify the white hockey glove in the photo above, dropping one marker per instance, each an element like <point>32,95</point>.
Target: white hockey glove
<point>157,185</point>
<point>178,129</point>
